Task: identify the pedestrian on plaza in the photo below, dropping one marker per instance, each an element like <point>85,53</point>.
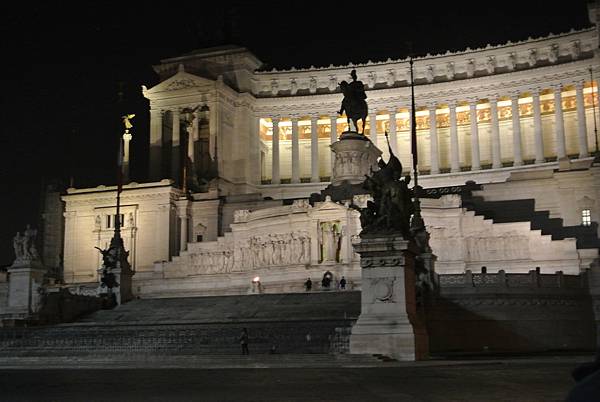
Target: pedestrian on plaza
<point>244,341</point>
<point>308,285</point>
<point>343,283</point>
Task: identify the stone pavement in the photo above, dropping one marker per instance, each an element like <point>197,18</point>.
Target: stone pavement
<point>539,379</point>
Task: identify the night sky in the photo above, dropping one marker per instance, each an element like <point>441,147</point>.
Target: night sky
<point>70,71</point>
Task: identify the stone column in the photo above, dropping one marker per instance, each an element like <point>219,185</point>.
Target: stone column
<point>295,152</point>
<point>435,158</point>
<point>182,214</point>
<point>581,123</point>
<point>393,135</point>
<point>496,159</point>
<point>475,158</point>
<point>454,158</point>
<point>314,150</point>
<point>126,138</point>
<point>373,127</point>
<point>156,140</point>
<point>175,147</point>
<point>275,177</point>
<point>388,323</point>
<point>516,125</point>
<point>333,137</point>
<point>537,126</point>
<point>559,123</point>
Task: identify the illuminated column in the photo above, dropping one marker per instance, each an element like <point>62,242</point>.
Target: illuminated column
<point>475,158</point>
<point>373,127</point>
<point>295,152</point>
<point>333,137</point>
<point>537,126</point>
<point>314,150</point>
<point>193,135</point>
<point>126,138</point>
<point>275,177</point>
<point>156,140</point>
<point>435,158</point>
<point>182,214</point>
<point>454,160</point>
<point>516,125</point>
<point>496,161</point>
<point>581,126</point>
<point>559,123</point>
<point>393,135</point>
<point>175,151</point>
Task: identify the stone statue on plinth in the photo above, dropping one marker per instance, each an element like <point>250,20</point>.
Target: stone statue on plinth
<point>354,103</point>
<point>24,245</point>
<point>392,205</point>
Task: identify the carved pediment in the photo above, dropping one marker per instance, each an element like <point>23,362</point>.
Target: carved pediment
<point>180,81</point>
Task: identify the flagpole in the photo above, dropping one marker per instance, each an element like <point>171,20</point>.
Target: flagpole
<point>417,219</point>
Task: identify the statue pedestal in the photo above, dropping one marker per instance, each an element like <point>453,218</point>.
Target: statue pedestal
<point>388,323</point>
<point>26,277</point>
<point>355,155</point>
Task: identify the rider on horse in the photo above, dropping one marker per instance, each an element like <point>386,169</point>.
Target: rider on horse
<point>354,103</point>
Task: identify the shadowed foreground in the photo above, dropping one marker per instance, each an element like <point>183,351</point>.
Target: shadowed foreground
<point>502,381</point>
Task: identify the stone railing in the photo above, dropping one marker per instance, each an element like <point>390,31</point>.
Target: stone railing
<point>502,280</point>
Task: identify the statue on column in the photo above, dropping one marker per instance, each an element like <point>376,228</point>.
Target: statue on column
<point>354,103</point>
<point>392,206</point>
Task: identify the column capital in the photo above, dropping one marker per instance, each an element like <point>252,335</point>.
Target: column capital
<point>127,137</point>
<point>294,117</point>
<point>159,112</point>
<point>514,95</point>
<point>493,99</point>
<point>334,116</point>
<point>472,100</point>
<point>452,104</point>
<point>535,91</point>
<point>579,83</point>
<point>314,117</point>
<point>432,106</point>
<point>557,88</point>
<point>275,119</point>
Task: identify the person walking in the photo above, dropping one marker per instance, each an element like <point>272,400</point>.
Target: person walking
<point>308,285</point>
<point>244,341</point>
<point>343,283</point>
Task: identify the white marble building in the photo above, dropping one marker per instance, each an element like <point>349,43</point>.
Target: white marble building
<point>517,118</point>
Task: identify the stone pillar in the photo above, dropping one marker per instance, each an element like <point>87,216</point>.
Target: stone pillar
<point>496,159</point>
<point>516,125</point>
<point>275,177</point>
<point>393,135</point>
<point>26,276</point>
<point>581,123</point>
<point>295,152</point>
<point>388,323</point>
<point>355,156</point>
<point>333,137</point>
<point>182,214</point>
<point>537,126</point>
<point>126,138</point>
<point>156,139</point>
<point>435,158</point>
<point>559,123</point>
<point>373,127</point>
<point>175,147</point>
<point>314,150</point>
<point>475,158</point>
<point>454,158</point>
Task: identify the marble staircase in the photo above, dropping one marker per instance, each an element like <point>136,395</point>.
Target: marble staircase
<point>301,323</point>
<point>523,210</point>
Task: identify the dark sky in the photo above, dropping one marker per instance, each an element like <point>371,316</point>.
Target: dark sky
<point>63,66</point>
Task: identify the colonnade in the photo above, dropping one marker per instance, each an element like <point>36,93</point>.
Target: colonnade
<point>554,94</point>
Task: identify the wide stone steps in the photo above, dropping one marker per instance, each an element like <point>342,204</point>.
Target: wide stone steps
<point>524,211</point>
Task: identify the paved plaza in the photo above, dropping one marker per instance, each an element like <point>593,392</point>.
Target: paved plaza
<point>515,380</point>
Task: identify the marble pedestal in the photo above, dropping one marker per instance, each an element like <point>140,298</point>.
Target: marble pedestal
<point>26,277</point>
<point>388,324</point>
<point>355,155</point>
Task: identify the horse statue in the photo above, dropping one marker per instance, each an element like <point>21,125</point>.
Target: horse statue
<point>354,103</point>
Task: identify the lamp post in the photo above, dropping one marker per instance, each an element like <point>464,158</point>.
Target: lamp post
<point>597,151</point>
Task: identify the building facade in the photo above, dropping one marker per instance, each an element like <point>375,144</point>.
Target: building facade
<point>236,152</point>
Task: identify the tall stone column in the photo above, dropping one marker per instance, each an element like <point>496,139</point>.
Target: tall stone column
<point>454,156</point>
<point>333,138</point>
<point>393,132</point>
<point>496,159</point>
<point>126,138</point>
<point>275,176</point>
<point>373,127</point>
<point>559,123</point>
<point>182,214</point>
<point>538,134</point>
<point>435,158</point>
<point>295,151</point>
<point>314,150</point>
<point>156,141</point>
<point>475,156</point>
<point>516,125</point>
<point>175,147</point>
<point>581,123</point>
<point>388,323</point>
